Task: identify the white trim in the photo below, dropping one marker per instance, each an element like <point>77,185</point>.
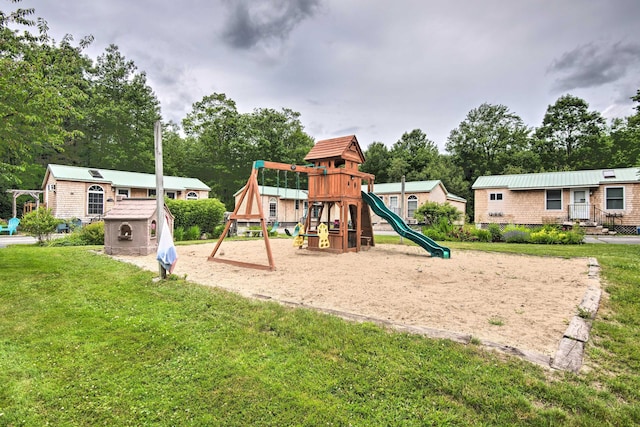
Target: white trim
<point>624,198</point>
<point>546,200</point>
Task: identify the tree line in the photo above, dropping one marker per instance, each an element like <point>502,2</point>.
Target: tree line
<point>58,105</point>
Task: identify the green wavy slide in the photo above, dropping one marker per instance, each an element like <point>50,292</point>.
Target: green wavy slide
<point>403,229</point>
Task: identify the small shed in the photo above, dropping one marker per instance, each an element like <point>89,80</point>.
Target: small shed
<point>130,227</point>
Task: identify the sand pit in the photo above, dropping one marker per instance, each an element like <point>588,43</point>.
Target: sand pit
<point>521,301</point>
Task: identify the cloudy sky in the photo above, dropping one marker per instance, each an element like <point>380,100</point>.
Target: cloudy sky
<point>373,68</point>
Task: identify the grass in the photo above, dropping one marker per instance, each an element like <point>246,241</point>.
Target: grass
<point>85,340</point>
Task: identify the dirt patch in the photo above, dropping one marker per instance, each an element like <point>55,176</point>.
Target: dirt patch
<point>520,301</point>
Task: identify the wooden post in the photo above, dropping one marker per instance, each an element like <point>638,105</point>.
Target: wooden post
<point>157,136</point>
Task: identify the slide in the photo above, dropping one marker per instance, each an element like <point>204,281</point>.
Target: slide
<point>402,228</point>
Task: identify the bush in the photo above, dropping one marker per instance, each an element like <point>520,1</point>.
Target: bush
<point>192,233</point>
<point>496,233</point>
<point>93,234</point>
<point>204,213</point>
<point>516,236</point>
<point>217,231</point>
<point>39,223</point>
<point>432,213</point>
<point>178,234</point>
<point>481,235</point>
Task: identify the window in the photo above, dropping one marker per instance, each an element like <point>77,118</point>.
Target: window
<point>412,205</point>
<point>393,205</point>
<point>554,200</point>
<point>95,199</point>
<point>192,195</point>
<point>151,192</point>
<point>495,196</point>
<point>273,207</point>
<point>122,192</point>
<point>171,194</point>
<point>614,198</point>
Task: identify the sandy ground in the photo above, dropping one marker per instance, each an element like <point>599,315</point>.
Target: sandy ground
<point>521,301</point>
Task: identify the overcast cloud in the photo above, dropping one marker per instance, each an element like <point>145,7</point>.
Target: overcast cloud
<point>373,68</point>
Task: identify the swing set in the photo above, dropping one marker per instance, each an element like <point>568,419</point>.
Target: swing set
<point>337,219</point>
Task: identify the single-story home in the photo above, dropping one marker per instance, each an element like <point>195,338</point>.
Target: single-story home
<point>609,197</point>
<point>416,193</point>
<point>88,193</point>
<point>286,206</point>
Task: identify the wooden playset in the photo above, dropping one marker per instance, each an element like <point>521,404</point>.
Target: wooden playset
<point>337,220</point>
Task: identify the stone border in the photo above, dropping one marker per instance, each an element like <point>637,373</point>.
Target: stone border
<point>570,349</point>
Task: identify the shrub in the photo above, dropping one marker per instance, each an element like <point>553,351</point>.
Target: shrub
<point>178,234</point>
<point>39,223</point>
<point>205,213</point>
<point>481,235</point>
<point>192,233</point>
<point>434,234</point>
<point>496,233</point>
<point>217,231</point>
<point>434,213</point>
<point>93,234</point>
<point>516,236</point>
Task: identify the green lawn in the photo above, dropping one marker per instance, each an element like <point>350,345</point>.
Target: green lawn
<point>85,340</point>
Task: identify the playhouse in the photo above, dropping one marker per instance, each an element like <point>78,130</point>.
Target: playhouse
<point>338,218</point>
<point>334,200</point>
<point>130,227</point>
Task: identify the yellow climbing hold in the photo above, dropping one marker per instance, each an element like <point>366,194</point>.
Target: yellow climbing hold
<point>298,232</point>
<point>323,236</point>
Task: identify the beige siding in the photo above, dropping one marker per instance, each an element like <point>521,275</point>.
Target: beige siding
<point>285,209</point>
<point>436,195</point>
<point>529,206</point>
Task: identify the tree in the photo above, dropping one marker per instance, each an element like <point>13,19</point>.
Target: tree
<point>42,85</point>
<point>625,137</point>
<point>570,137</point>
<point>39,223</point>
<point>410,155</point>
<point>486,141</point>
<point>119,116</point>
<point>377,161</point>
<point>228,142</point>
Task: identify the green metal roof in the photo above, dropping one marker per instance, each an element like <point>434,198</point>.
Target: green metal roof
<point>412,187</point>
<point>409,187</point>
<point>282,193</point>
<point>123,179</point>
<point>585,178</point>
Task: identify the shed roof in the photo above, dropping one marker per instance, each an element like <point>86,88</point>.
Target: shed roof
<point>582,178</point>
<point>345,147</point>
<point>122,178</point>
<point>133,208</point>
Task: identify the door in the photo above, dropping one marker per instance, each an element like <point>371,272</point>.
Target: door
<point>579,208</point>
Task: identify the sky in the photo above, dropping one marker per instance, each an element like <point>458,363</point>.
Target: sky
<point>373,68</point>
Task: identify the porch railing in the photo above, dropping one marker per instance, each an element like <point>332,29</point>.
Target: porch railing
<point>591,213</point>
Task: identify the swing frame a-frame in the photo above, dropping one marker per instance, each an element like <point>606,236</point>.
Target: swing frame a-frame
<point>251,194</point>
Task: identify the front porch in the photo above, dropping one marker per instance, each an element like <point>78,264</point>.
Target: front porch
<point>595,221</point>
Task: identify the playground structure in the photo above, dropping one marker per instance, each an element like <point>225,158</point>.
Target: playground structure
<point>334,197</point>
<point>338,219</point>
